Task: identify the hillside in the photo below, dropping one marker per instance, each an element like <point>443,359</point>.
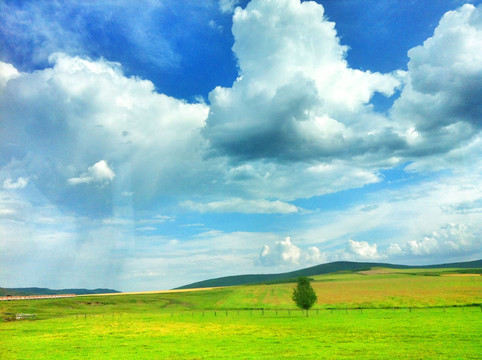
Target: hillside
<point>379,288</point>
<point>319,270</point>
<point>46,291</point>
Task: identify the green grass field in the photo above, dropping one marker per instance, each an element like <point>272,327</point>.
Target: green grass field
<point>403,316</point>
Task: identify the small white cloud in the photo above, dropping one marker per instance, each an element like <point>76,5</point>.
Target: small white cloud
<point>283,252</point>
<point>7,72</point>
<point>158,219</point>
<point>213,25</point>
<point>100,172</point>
<point>192,225</point>
<point>451,238</point>
<point>10,184</point>
<point>46,220</point>
<point>394,249</point>
<point>227,6</point>
<point>117,222</point>
<point>8,214</point>
<point>363,250</point>
<point>428,245</point>
<point>146,228</point>
<point>286,253</point>
<point>243,206</point>
<point>164,218</point>
<point>314,255</point>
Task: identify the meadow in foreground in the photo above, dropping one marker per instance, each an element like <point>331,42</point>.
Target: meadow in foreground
<point>215,324</point>
<point>368,334</point>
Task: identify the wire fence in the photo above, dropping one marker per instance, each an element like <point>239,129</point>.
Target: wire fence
<point>257,312</point>
<point>245,312</point>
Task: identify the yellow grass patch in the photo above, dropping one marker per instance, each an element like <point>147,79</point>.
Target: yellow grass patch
<point>461,274</point>
<point>376,272</point>
<point>153,292</point>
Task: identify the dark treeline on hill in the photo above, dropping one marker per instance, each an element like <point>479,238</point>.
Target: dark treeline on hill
<point>45,291</point>
<point>319,270</point>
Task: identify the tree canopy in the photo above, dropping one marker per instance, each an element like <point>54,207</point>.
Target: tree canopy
<point>303,294</point>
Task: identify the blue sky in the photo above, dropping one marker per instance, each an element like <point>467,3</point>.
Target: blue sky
<point>152,144</point>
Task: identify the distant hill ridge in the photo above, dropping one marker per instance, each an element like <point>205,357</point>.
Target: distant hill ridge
<point>319,270</point>
<point>45,291</point>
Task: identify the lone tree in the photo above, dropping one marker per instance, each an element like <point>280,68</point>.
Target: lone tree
<point>303,294</point>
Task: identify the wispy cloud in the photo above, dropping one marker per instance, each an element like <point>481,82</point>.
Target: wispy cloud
<point>243,206</point>
<point>10,184</point>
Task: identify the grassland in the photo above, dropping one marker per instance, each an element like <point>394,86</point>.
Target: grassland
<point>391,314</point>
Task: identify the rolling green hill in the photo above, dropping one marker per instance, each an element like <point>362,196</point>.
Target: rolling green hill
<point>319,270</point>
<point>377,288</point>
<point>45,291</point>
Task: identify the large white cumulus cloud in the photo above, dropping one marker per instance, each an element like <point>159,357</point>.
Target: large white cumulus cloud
<point>58,122</point>
<point>296,98</point>
<point>296,108</point>
<point>440,105</point>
